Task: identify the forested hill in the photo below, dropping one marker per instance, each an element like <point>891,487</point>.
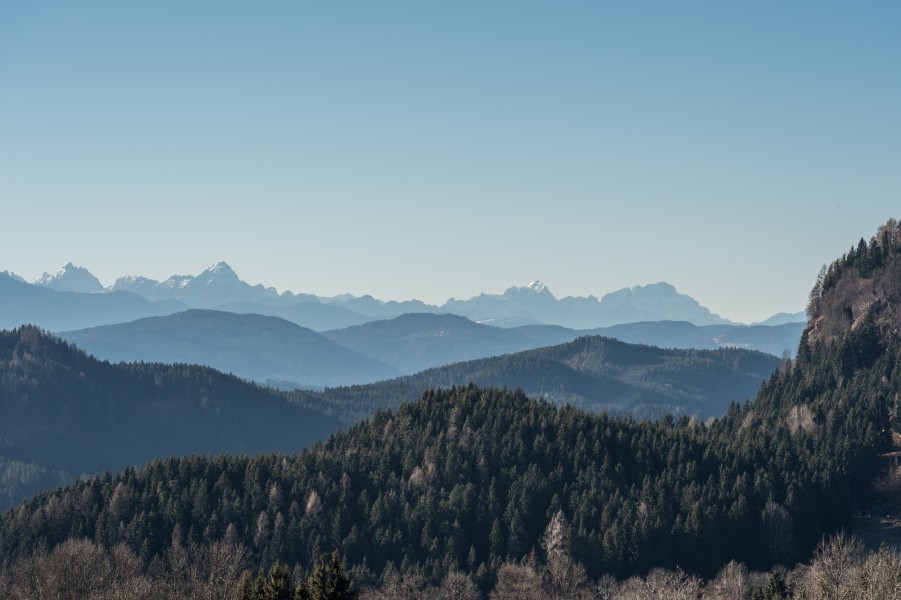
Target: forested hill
<point>594,373</point>
<point>467,478</point>
<point>65,414</point>
<point>860,292</point>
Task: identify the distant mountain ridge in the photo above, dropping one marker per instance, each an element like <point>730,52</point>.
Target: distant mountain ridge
<point>219,287</point>
<point>11,275</point>
<point>23,303</point>
<point>274,351</point>
<point>215,286</point>
<point>418,341</point>
<point>264,349</point>
<point>70,278</point>
<point>594,373</point>
<point>784,318</point>
<point>654,302</point>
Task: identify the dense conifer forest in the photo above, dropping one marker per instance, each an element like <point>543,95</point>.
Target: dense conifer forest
<point>65,414</point>
<point>501,490</point>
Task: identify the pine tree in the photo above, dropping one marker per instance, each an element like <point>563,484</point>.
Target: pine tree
<point>278,584</point>
<point>329,581</point>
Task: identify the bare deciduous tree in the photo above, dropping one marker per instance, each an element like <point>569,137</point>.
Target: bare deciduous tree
<point>607,588</point>
<point>399,588</point>
<point>565,579</point>
<point>880,575</point>
<point>517,582</point>
<point>457,586</point>
<point>835,570</point>
<point>79,569</point>
<point>662,584</point>
<point>733,582</point>
<point>209,572</point>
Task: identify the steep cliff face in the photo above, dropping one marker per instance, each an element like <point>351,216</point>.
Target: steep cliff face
<point>860,293</point>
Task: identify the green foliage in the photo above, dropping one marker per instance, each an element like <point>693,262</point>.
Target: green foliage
<point>593,373</point>
<point>65,413</point>
<point>328,581</point>
<point>277,585</point>
<point>775,588</point>
<point>466,479</point>
<point>860,289</point>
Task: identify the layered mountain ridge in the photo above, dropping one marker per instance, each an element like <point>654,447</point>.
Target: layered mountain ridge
<point>468,479</point>
<point>265,349</point>
<point>66,413</point>
<point>593,373</point>
<point>219,287</point>
<point>23,303</point>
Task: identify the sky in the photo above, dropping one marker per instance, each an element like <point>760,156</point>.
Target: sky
<point>442,149</point>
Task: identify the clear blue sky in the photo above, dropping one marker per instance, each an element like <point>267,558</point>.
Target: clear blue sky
<point>435,149</point>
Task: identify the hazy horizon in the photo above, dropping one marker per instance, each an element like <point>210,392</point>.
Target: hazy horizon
<point>437,302</point>
<point>429,151</point>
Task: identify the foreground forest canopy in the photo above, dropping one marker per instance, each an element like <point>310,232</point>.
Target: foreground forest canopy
<point>466,479</point>
<point>66,414</point>
<point>472,480</point>
<point>82,569</point>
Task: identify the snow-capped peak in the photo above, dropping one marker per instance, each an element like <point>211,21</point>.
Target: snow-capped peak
<point>219,272</point>
<point>220,266</point>
<point>70,278</point>
<point>537,287</point>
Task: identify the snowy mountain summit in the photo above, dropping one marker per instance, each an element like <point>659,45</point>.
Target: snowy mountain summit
<point>215,286</point>
<point>70,279</point>
<point>218,274</point>
<point>537,287</point>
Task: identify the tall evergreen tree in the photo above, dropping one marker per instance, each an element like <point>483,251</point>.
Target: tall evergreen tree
<point>329,581</point>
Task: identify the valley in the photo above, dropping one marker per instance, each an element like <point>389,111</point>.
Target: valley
<point>638,456</point>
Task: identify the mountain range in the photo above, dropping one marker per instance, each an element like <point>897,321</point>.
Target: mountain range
<point>219,287</point>
<point>414,342</point>
<point>22,303</point>
<point>501,488</point>
<point>593,373</point>
<point>277,352</point>
<point>66,413</point>
<point>256,347</point>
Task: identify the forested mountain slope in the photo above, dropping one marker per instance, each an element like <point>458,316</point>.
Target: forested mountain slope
<point>65,414</point>
<point>593,373</point>
<point>467,478</point>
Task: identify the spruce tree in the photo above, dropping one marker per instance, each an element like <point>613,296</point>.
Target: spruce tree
<point>329,581</point>
<point>278,584</point>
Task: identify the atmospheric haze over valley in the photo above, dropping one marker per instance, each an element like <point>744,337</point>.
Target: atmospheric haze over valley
<point>450,301</point>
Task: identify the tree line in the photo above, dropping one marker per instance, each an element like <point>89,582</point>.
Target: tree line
<point>79,569</point>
